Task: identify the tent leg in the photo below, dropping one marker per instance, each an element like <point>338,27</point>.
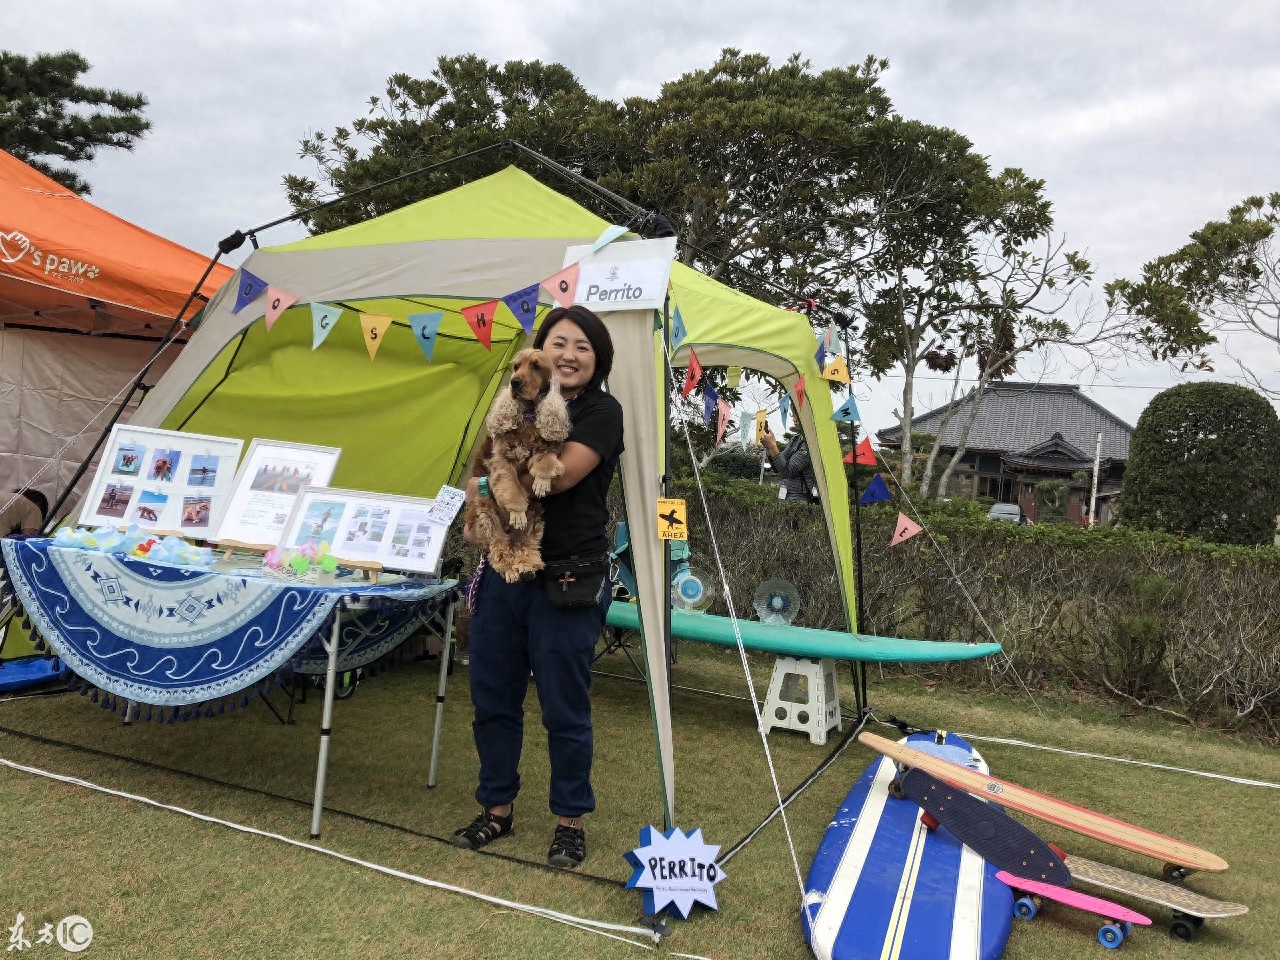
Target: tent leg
<point>446,657</point>
<point>326,724</point>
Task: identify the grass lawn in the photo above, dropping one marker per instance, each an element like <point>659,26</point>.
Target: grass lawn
<point>158,884</point>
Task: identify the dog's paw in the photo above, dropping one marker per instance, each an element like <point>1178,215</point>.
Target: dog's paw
<point>541,486</point>
<point>518,519</point>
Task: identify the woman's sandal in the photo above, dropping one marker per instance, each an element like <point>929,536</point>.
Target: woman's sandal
<point>484,829</point>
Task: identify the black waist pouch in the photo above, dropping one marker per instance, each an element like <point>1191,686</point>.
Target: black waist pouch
<point>575,583</point>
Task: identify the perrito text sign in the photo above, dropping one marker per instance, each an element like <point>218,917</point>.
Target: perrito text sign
<point>625,275</point>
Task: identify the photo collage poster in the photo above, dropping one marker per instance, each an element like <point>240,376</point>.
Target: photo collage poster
<point>399,533</point>
<point>163,481</point>
<point>267,487</point>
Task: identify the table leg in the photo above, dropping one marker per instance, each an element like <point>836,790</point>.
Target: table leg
<point>326,723</point>
<point>445,658</point>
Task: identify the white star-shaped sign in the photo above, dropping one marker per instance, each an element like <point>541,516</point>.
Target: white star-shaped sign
<point>674,869</point>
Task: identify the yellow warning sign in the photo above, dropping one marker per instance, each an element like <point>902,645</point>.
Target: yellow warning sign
<point>673,520</point>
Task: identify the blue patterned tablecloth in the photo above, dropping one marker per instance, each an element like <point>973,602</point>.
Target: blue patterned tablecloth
<point>167,635</point>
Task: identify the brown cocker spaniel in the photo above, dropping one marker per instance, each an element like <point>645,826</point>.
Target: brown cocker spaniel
<point>527,424</point>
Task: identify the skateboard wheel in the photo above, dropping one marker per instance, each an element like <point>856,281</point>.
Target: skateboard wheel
<point>929,820</point>
<point>1182,930</point>
<point>1174,873</point>
<point>1126,928</point>
<point>1111,936</point>
<point>1025,908</point>
<point>895,789</point>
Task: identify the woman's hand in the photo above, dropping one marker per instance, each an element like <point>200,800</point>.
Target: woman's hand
<point>769,441</point>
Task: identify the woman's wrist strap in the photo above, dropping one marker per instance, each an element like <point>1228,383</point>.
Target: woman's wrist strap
<point>482,485</point>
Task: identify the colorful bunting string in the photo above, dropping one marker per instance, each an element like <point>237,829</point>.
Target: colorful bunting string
<point>784,409</point>
<point>710,401</point>
<point>744,434</point>
<point>722,421</point>
<point>563,285</point>
<point>678,332</point>
<point>800,394</point>
<point>848,412</point>
<point>864,455</point>
<point>836,370</point>
<point>762,424</point>
<point>611,233</point>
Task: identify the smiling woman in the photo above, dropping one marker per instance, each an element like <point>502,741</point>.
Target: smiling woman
<point>548,624</point>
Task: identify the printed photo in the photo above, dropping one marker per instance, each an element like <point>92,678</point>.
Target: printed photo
<point>150,506</point>
<point>115,501</point>
<point>283,476</point>
<point>413,536</point>
<point>164,465</point>
<point>204,471</point>
<point>367,530</point>
<point>320,523</point>
<point>195,511</point>
<point>128,459</point>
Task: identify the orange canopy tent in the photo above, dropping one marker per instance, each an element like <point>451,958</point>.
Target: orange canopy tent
<point>84,299</point>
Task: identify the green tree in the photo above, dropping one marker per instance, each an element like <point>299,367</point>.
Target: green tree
<point>46,114</point>
<point>1205,462</point>
<point>1225,281</point>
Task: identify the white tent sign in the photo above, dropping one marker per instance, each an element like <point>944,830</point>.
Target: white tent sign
<point>623,276</point>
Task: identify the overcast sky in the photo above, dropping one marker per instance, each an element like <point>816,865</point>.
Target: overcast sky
<point>1145,118</point>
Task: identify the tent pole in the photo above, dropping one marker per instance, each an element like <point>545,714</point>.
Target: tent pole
<point>859,670</point>
<point>668,643</point>
<point>52,516</point>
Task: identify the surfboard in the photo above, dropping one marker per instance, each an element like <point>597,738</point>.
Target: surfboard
<point>883,887</point>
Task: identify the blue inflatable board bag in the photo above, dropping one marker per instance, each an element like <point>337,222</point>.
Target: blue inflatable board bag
<point>29,672</point>
<point>883,887</point>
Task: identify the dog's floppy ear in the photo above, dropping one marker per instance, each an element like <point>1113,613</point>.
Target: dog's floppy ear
<point>504,415</point>
<point>553,416</point>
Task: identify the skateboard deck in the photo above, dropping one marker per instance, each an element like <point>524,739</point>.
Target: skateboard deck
<point>989,831</point>
<point>1111,934</point>
<point>1190,909</point>
<point>1080,819</point>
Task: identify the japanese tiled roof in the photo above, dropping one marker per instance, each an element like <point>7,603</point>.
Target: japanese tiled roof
<point>1023,418</point>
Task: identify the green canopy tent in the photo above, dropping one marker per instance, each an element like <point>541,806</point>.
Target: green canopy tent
<point>406,425</point>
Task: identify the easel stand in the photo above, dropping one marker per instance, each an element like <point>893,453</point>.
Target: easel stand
<point>804,696</point>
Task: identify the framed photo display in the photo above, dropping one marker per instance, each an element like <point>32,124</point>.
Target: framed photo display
<point>267,486</point>
<point>400,533</point>
<point>164,481</point>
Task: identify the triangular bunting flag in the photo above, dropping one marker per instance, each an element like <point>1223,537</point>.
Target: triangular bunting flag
<point>848,457</point>
<point>784,410</point>
<point>762,424</point>
<point>678,332</point>
<point>733,376</point>
<point>877,491</point>
<point>836,370</point>
<point>848,412</point>
<point>744,434</point>
<point>424,327</point>
<point>250,289</point>
<point>480,318</point>
<point>278,301</point>
<point>800,394</point>
<point>820,355</point>
<point>864,454</point>
<point>324,317</point>
<point>523,304</point>
<point>829,338</point>
<point>905,531</point>
<point>709,398</point>
<point>563,285</point>
<point>692,375</point>
<point>375,330</point>
<point>722,421</point>
<point>611,233</point>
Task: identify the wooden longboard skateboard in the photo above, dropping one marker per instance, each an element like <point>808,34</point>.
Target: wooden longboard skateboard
<point>989,831</point>
<point>1190,909</point>
<point>1120,920</point>
<point>1051,810</point>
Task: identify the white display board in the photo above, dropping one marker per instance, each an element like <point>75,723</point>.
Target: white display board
<point>267,486</point>
<point>400,533</point>
<point>163,481</point>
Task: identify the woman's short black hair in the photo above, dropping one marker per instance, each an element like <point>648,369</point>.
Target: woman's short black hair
<point>593,327</point>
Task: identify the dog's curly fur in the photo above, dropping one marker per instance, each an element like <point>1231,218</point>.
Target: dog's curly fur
<point>527,425</point>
